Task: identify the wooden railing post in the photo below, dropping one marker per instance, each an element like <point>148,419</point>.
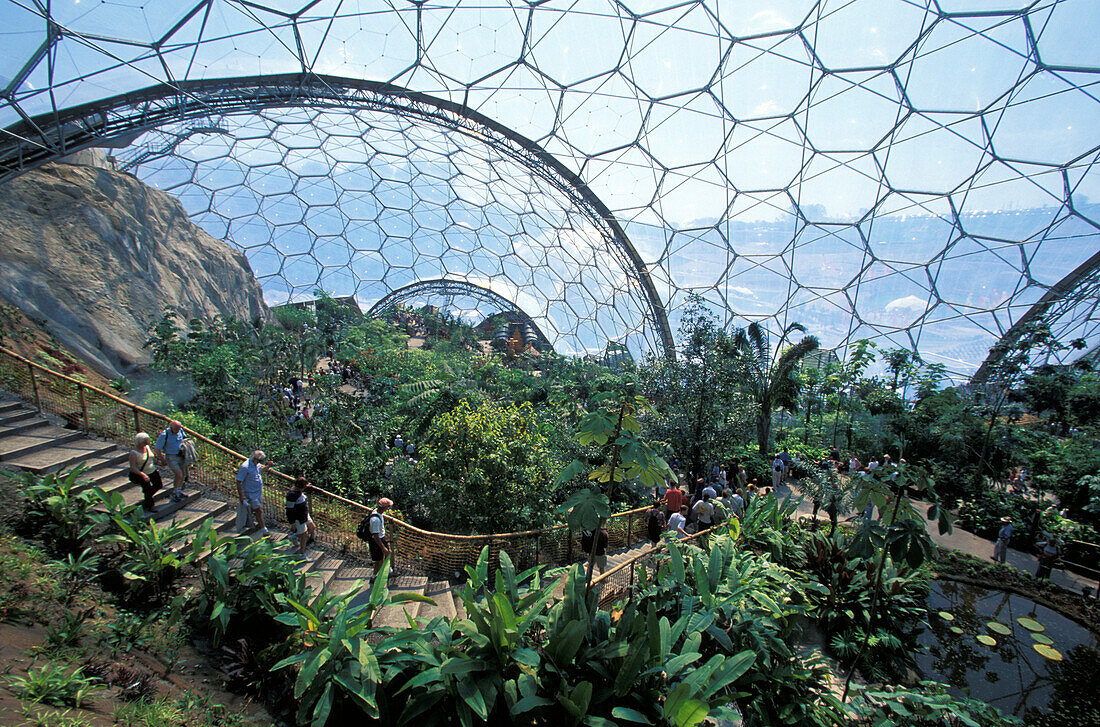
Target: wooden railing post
<point>137,421</point>
<point>83,405</point>
<point>34,385</point>
<point>629,529</point>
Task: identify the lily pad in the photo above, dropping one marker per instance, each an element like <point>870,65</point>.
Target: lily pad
<point>1030,624</point>
<point>986,639</point>
<point>1048,652</point>
<point>1042,639</point>
<point>947,616</point>
<point>957,630</point>
<point>999,628</point>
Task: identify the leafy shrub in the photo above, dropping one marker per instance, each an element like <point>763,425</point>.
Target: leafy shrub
<point>929,705</point>
<point>243,585</point>
<point>55,684</point>
<point>59,508</point>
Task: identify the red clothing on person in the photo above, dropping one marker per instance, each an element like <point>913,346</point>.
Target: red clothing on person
<point>674,498</point>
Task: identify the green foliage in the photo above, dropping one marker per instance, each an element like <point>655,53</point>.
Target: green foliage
<point>929,705</point>
<point>152,554</point>
<point>339,668</point>
<point>189,710</point>
<point>518,658</point>
<point>490,466</point>
<point>54,683</point>
<point>60,507</point>
<point>700,411</point>
<point>242,582</point>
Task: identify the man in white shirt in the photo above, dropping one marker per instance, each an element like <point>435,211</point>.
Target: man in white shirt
<point>1000,551</point>
<point>678,522</point>
<point>379,548</point>
<point>250,486</point>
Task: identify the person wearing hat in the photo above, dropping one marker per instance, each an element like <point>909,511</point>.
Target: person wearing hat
<point>1000,550</point>
<point>250,487</point>
<point>379,548</point>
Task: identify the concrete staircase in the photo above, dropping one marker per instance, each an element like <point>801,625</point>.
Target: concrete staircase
<point>31,442</point>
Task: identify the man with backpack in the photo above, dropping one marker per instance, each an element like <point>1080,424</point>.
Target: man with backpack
<point>170,449</point>
<point>373,530</point>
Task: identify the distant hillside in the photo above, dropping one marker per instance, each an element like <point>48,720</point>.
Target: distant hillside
<point>98,255</point>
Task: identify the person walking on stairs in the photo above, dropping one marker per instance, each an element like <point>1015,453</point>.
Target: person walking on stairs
<point>379,548</point>
<point>297,514</point>
<point>170,453</point>
<point>250,487</point>
<point>143,471</point>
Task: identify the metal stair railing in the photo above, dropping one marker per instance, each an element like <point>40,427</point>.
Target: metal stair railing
<point>414,550</point>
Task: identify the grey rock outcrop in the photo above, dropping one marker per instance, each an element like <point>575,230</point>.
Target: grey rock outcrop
<point>97,254</point>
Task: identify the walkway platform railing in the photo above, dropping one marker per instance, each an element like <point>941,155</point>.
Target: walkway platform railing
<point>618,583</point>
<point>415,550</point>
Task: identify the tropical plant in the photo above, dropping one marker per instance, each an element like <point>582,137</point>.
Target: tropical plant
<point>54,683</point>
<point>241,586</point>
<point>339,666</point>
<point>153,553</point>
<point>60,507</point>
<point>928,705</point>
<point>769,377</point>
<point>614,425</point>
<point>430,397</point>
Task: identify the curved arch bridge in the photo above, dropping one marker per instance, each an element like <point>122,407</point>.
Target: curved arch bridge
<point>451,289</point>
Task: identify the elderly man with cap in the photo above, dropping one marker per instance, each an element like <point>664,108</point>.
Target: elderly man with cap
<point>379,548</point>
<point>1000,550</point>
<point>250,486</point>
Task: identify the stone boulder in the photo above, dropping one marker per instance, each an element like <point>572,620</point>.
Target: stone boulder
<point>97,255</point>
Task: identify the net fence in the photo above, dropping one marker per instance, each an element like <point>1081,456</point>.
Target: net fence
<point>414,550</point>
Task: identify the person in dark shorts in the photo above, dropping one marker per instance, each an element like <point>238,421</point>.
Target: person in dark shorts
<point>297,514</point>
<point>655,522</point>
<point>143,470</point>
<point>379,548</point>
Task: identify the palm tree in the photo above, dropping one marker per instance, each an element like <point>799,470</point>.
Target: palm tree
<point>431,397</point>
<point>769,377</point>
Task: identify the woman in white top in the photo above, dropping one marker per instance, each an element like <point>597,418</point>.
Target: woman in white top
<point>143,470</point>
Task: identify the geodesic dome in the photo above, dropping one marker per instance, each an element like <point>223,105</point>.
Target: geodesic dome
<point>918,173</point>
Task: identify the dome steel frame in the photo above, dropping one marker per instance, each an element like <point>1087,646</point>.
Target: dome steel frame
<point>117,121</point>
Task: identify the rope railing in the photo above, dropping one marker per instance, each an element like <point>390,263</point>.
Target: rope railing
<point>617,583</point>
<point>414,550</point>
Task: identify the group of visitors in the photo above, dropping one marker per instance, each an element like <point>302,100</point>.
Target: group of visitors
<point>1048,545</point>
<point>713,501</point>
<point>171,449</point>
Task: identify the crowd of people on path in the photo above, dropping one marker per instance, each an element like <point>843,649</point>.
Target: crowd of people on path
<point>725,492</point>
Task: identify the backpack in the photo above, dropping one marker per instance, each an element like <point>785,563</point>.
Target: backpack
<point>363,531</point>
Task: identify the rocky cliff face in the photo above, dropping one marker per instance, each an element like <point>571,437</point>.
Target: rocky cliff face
<point>98,255</point>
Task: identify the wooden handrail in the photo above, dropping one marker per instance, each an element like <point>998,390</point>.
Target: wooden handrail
<point>282,475</point>
<point>661,547</point>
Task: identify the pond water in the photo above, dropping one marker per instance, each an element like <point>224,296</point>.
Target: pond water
<point>1010,673</point>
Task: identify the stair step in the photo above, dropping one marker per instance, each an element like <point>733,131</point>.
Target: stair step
<point>349,574</point>
<point>396,616</point>
<point>322,570</point>
<point>9,406</point>
<point>22,427</point>
<point>442,593</point>
<point>103,468</point>
<point>197,510</point>
<point>19,416</point>
<point>17,445</point>
<point>43,460</point>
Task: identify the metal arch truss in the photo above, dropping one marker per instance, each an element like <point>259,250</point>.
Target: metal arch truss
<point>1071,307</point>
<point>117,121</point>
<point>451,289</point>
